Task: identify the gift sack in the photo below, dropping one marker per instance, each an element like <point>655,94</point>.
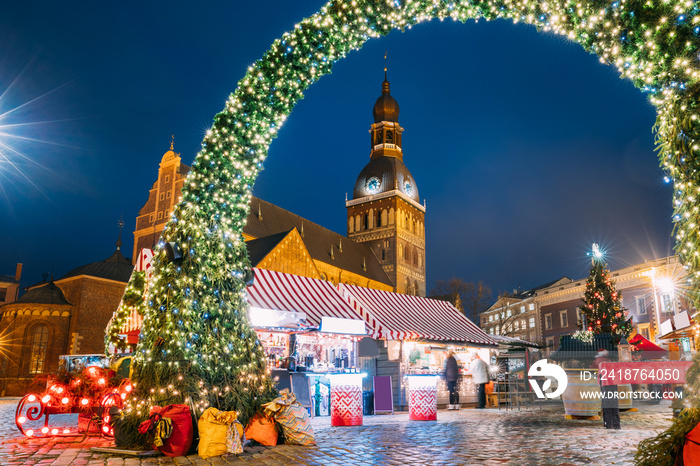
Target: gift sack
<point>262,430</point>
<point>219,433</point>
<point>293,418</point>
<point>691,449</point>
<point>171,427</point>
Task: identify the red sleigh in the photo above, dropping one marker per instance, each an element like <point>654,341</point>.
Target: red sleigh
<point>89,393</point>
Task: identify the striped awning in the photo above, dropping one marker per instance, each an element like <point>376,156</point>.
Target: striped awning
<point>396,316</point>
<point>293,293</point>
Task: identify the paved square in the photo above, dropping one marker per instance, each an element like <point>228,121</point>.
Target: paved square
<point>469,436</point>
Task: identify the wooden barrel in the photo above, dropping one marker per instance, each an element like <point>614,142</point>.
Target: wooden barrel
<point>625,400</point>
<point>576,404</point>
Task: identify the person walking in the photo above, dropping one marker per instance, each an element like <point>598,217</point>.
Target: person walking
<point>609,403</point>
<point>480,377</point>
<point>451,375</point>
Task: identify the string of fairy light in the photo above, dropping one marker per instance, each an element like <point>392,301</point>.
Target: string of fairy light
<point>195,324</point>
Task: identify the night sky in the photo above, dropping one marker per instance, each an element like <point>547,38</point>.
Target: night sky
<point>526,148</point>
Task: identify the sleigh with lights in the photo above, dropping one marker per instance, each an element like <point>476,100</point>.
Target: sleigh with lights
<point>89,392</point>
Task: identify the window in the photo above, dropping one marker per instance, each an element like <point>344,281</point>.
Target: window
<point>517,325</point>
<point>167,195</point>
<point>3,294</point>
<point>531,306</point>
<point>491,330</point>
<point>550,343</point>
<point>167,178</point>
<point>379,219</point>
<point>37,359</point>
<point>151,218</point>
<point>383,254</point>
<point>491,318</point>
<point>510,328</point>
<point>522,309</point>
<point>162,196</point>
<point>644,331</point>
<point>666,303</point>
<point>366,222</point>
<point>503,315</point>
<point>564,318</point>
<point>641,306</point>
<point>160,215</point>
<point>532,322</point>
<point>508,313</point>
<point>523,324</point>
<point>548,322</point>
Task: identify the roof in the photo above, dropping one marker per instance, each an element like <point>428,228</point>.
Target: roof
<point>648,349</point>
<point>115,267</point>
<point>44,294</point>
<point>510,341</point>
<point>403,317</point>
<point>8,279</point>
<point>261,247</point>
<point>266,219</point>
<point>531,292</point>
<point>390,173</point>
<point>293,293</point>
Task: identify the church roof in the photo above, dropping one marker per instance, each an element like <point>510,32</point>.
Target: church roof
<point>261,247</point>
<point>386,108</point>
<point>115,267</point>
<point>44,294</point>
<point>266,219</point>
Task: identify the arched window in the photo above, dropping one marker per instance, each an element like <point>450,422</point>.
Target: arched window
<point>351,224</point>
<point>366,222</point>
<point>415,288</point>
<point>39,340</point>
<point>379,219</point>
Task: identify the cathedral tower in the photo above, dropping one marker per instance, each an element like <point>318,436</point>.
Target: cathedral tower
<point>385,211</point>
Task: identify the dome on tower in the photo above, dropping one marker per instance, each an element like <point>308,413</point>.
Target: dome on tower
<point>386,108</point>
<point>385,174</point>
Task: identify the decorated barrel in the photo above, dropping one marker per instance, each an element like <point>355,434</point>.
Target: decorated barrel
<point>422,397</point>
<point>346,399</point>
<point>580,397</point>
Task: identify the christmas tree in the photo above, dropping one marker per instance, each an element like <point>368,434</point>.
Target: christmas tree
<point>602,303</point>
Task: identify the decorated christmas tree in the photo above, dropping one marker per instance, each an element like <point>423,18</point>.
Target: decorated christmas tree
<point>602,303</point>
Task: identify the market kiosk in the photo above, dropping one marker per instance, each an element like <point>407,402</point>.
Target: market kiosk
<point>416,334</point>
<point>305,327</point>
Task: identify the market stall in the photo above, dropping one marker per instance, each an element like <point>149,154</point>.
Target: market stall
<point>416,334</point>
<point>306,327</point>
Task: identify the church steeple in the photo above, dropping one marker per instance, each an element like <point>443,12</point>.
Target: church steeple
<point>385,133</point>
<point>385,210</point>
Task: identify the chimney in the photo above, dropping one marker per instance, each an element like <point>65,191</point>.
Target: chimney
<point>18,272</point>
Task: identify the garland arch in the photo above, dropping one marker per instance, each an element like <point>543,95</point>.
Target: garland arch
<point>197,345</point>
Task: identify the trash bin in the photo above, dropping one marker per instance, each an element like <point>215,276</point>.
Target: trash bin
<point>368,403</point>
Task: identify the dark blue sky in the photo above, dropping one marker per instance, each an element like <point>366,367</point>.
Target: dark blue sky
<point>525,147</point>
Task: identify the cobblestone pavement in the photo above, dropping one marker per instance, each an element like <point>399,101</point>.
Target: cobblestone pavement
<point>469,436</point>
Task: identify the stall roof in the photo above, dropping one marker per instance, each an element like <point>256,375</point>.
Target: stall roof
<point>403,317</point>
<point>293,293</point>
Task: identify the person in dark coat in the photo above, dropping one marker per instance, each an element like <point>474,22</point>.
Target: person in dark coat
<point>451,375</point>
<point>609,402</point>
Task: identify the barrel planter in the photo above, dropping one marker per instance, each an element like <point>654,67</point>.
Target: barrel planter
<point>577,404</point>
<point>625,400</point>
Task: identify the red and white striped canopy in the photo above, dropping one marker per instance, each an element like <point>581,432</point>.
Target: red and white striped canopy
<point>293,293</point>
<point>402,317</point>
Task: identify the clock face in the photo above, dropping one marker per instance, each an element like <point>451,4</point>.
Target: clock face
<point>407,187</point>
<point>373,185</point>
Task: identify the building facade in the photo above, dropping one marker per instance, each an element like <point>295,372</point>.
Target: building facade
<point>517,315</point>
<point>385,211</point>
<point>162,198</point>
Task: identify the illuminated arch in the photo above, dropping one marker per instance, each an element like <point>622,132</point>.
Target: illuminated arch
<point>653,44</point>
